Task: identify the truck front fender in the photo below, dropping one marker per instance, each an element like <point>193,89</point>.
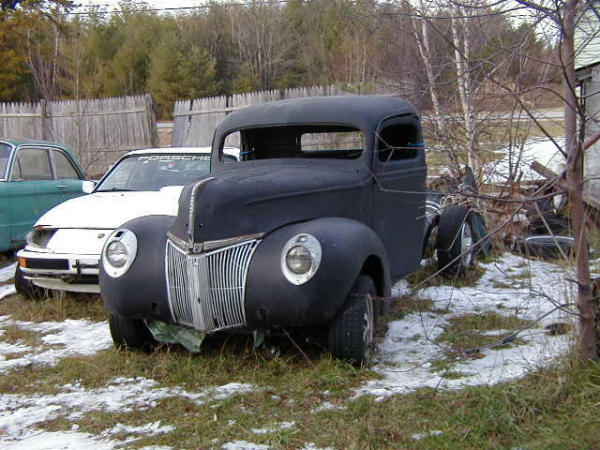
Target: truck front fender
<point>347,246</point>
<point>141,292</point>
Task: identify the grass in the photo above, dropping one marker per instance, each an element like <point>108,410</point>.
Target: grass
<point>64,306</point>
<point>469,331</point>
<point>408,304</point>
<point>428,276</point>
<point>556,408</point>
<point>464,335</point>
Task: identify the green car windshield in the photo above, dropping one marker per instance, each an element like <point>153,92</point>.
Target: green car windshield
<point>4,155</point>
<point>154,171</point>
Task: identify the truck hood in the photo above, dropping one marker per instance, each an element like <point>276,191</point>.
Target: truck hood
<point>258,197</point>
<point>109,210</point>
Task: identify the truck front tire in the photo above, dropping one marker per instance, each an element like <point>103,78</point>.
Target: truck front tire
<point>132,334</point>
<point>352,333</point>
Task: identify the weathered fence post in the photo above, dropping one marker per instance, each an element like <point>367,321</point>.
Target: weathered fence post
<point>150,112</point>
<point>44,119</point>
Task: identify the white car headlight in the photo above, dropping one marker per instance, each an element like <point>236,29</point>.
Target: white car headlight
<point>39,237</point>
<point>300,258</point>
<point>119,252</point>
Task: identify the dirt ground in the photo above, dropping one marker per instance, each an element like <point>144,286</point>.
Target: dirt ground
<point>165,137</point>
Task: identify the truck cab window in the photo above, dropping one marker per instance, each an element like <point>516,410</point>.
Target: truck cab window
<point>399,140</point>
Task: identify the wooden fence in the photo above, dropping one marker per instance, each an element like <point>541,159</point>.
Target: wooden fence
<point>98,131</point>
<point>195,121</point>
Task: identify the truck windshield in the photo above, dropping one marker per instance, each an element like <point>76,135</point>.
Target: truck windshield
<point>155,171</point>
<point>298,141</point>
<point>4,155</point>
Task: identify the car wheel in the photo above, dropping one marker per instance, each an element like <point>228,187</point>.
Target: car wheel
<point>455,241</point>
<point>27,289</point>
<point>130,333</point>
<point>352,333</point>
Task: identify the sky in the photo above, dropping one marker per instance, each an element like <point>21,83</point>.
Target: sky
<point>114,4</point>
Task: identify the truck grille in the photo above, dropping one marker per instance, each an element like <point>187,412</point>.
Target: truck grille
<point>206,290</point>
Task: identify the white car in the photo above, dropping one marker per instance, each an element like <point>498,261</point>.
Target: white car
<point>64,247</point>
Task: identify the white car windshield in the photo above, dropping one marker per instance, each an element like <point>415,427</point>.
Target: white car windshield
<point>152,172</point>
<point>4,155</point>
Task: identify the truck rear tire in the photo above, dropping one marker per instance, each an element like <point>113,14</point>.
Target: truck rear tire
<point>132,334</point>
<point>455,239</point>
<point>352,333</point>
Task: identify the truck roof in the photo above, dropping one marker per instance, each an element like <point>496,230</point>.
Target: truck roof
<point>363,112</point>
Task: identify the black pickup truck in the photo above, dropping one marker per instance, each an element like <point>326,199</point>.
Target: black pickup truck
<point>324,209</point>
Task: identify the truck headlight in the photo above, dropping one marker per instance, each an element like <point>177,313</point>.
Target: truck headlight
<point>119,252</point>
<point>116,254</point>
<point>300,258</point>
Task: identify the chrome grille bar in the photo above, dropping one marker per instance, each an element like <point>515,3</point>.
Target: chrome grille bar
<point>206,290</point>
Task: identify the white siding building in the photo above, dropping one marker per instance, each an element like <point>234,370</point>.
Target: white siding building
<point>587,66</point>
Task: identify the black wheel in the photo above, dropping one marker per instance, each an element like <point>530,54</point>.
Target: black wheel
<point>546,246</point>
<point>130,333</point>
<point>352,333</point>
<point>455,240</point>
<point>27,289</point>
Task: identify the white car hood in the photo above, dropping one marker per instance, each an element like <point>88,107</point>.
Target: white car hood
<point>109,210</point>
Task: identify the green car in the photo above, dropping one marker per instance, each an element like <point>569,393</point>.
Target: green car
<point>34,177</point>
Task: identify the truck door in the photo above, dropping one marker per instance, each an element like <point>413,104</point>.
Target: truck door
<point>399,203</point>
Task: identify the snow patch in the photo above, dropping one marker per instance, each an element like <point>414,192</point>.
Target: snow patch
<point>328,406</point>
<point>401,288</point>
<point>418,437</point>
<point>243,445</point>
<point>274,428</point>
<point>510,286</point>
<point>150,429</point>
<point>311,446</point>
<point>18,413</point>
<point>542,150</point>
<point>67,339</point>
<point>64,440</point>
<point>7,349</point>
<point>6,290</point>
<point>7,272</point>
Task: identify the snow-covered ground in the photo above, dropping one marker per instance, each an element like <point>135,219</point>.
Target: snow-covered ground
<point>511,286</point>
<point>19,414</point>
<point>542,150</point>
<point>7,272</point>
<point>60,339</point>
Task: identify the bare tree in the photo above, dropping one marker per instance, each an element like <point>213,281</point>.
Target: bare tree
<point>439,120</point>
<point>562,15</point>
<point>461,38</point>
